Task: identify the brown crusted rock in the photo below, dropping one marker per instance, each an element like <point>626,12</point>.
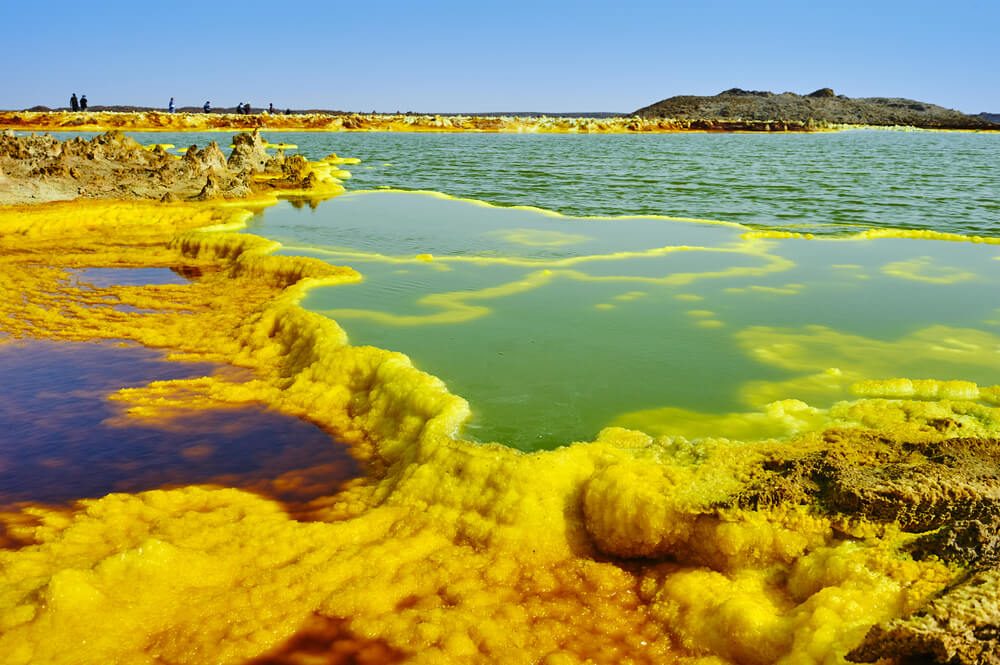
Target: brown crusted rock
<point>29,148</point>
<point>822,92</point>
<point>952,486</point>
<point>746,108</point>
<point>295,167</point>
<point>237,189</point>
<point>114,166</point>
<point>949,487</point>
<point>947,491</point>
<point>962,627</point>
<point>213,159</point>
<point>309,182</point>
<point>780,482</point>
<point>116,146</point>
<point>111,146</point>
<point>920,497</point>
<point>249,153</point>
<point>190,163</point>
<point>210,190</point>
<point>276,163</point>
<point>975,542</point>
<point>352,122</point>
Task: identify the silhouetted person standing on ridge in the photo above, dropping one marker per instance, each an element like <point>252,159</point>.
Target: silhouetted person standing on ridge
<point>270,108</point>
<point>83,102</point>
<point>207,108</point>
<point>170,106</point>
<point>73,104</point>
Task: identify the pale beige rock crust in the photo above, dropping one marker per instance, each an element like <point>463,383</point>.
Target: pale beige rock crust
<point>36,169</point>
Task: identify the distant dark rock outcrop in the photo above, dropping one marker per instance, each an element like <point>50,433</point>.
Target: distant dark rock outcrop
<point>822,92</point>
<point>818,108</point>
<point>991,117</point>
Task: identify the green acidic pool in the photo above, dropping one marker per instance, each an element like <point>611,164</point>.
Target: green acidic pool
<point>556,327</point>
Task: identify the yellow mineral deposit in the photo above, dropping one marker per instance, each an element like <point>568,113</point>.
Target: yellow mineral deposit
<point>923,269</point>
<point>872,234</point>
<point>817,348</point>
<point>539,238</point>
<point>319,122</point>
<point>832,365</point>
<point>786,290</point>
<point>628,548</point>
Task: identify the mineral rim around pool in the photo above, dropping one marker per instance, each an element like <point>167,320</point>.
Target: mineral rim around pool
<point>865,531</point>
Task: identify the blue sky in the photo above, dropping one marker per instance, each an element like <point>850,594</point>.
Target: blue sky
<point>494,56</point>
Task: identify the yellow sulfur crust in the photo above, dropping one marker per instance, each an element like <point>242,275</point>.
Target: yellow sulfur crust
<point>624,549</point>
<point>355,122</point>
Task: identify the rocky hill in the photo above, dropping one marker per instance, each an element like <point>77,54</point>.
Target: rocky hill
<point>822,107</point>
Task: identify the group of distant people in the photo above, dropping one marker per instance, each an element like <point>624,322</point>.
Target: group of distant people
<point>241,108</point>
<point>78,104</point>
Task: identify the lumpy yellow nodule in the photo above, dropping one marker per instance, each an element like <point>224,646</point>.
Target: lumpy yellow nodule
<point>628,548</point>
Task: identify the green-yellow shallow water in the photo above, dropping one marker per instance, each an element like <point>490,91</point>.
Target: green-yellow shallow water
<point>555,327</point>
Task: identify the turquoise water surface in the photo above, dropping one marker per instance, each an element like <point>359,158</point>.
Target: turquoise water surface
<point>820,183</point>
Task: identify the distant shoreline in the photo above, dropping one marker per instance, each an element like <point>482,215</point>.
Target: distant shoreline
<point>160,121</point>
<point>232,110</point>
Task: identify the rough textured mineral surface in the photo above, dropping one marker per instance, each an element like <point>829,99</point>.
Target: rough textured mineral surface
<point>114,166</point>
<point>962,627</point>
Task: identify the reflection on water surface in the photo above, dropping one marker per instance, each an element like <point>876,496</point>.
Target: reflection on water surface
<point>62,439</point>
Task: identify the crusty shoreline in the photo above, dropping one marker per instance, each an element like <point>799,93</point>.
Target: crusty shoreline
<point>153,121</point>
<point>39,169</point>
